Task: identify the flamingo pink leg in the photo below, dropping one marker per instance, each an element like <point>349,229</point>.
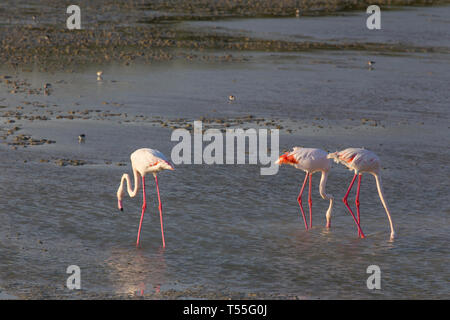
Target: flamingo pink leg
<point>348,207</point>
<point>310,201</point>
<point>299,199</point>
<point>144,205</point>
<point>160,212</point>
<point>357,201</point>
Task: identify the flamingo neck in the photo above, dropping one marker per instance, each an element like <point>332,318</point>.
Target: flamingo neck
<point>325,195</point>
<point>383,201</point>
<point>131,192</point>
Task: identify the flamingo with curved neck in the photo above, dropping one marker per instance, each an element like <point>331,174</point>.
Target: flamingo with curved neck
<point>144,161</point>
<point>361,160</point>
<point>310,160</point>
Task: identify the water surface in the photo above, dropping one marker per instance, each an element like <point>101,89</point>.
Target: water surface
<point>231,232</point>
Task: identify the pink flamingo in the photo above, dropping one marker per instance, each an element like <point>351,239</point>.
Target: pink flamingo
<point>310,160</point>
<point>361,160</point>
<point>144,161</point>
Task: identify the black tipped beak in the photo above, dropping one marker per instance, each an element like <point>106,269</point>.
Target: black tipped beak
<point>121,209</point>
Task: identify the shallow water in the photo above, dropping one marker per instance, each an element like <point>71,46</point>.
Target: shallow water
<point>422,26</point>
<point>231,232</point>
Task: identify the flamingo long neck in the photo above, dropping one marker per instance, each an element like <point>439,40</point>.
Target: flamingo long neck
<point>131,192</point>
<point>325,195</point>
<point>383,201</point>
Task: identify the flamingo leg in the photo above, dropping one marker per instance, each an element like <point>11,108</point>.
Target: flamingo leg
<point>357,201</point>
<point>310,201</point>
<point>144,205</point>
<point>299,199</point>
<point>348,207</point>
<point>160,212</point>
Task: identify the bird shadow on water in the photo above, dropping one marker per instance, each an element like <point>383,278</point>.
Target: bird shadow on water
<point>136,272</point>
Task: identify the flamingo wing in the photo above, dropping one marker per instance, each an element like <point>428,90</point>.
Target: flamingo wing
<point>347,155</point>
<point>307,154</point>
<point>145,158</point>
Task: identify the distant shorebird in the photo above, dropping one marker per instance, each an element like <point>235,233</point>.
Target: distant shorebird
<point>144,161</point>
<point>99,75</point>
<point>81,138</point>
<point>361,160</point>
<point>370,63</point>
<point>310,160</point>
<point>297,13</point>
<point>231,98</point>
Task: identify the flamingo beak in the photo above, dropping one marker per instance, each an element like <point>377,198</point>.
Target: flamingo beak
<point>119,205</point>
<point>281,160</point>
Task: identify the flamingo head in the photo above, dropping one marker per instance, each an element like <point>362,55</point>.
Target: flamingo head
<point>119,197</point>
<point>286,159</point>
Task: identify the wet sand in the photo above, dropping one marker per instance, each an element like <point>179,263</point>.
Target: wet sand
<point>59,195</point>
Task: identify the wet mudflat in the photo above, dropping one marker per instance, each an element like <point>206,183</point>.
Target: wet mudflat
<point>230,232</point>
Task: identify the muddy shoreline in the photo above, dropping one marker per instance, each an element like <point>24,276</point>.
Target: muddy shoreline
<point>36,37</point>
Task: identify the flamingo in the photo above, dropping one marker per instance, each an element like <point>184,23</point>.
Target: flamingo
<point>144,161</point>
<point>361,160</point>
<point>310,160</point>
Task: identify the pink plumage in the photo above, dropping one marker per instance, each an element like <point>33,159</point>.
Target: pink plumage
<point>144,161</point>
<point>360,161</point>
<point>310,160</point>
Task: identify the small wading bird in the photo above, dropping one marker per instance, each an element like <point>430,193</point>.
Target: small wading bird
<point>360,161</point>
<point>310,160</point>
<point>144,161</point>
<point>82,138</point>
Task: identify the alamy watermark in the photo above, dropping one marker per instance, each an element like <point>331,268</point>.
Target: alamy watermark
<point>374,280</point>
<point>374,20</point>
<point>74,20</point>
<point>74,280</point>
<point>190,149</point>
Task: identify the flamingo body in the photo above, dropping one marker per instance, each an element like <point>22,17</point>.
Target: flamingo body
<point>361,161</point>
<point>149,161</point>
<point>144,161</point>
<point>307,159</point>
<point>310,160</point>
<point>357,159</point>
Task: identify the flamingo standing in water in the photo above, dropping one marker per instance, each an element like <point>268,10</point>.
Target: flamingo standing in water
<point>144,161</point>
<point>361,160</point>
<point>310,160</point>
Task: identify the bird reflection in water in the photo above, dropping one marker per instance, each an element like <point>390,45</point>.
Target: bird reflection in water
<point>136,273</point>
